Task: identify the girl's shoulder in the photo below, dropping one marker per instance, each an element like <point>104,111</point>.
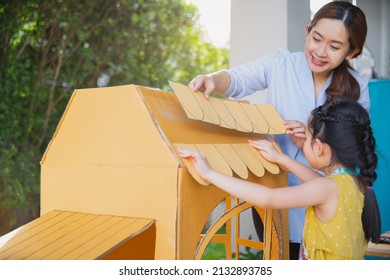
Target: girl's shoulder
<point>344,182</point>
<point>326,182</point>
<point>321,185</point>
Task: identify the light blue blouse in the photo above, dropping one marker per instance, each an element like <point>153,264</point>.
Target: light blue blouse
<point>290,88</point>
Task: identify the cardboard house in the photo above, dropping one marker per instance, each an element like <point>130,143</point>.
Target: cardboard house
<point>113,157</point>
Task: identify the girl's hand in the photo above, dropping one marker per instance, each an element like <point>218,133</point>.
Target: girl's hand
<point>199,161</point>
<point>297,132</point>
<point>266,149</point>
<point>203,83</point>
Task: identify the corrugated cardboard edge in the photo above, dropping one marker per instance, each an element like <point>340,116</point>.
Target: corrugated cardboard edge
<point>59,125</point>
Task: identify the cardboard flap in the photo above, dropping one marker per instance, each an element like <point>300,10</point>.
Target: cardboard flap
<point>251,160</point>
<point>226,117</point>
<point>215,159</point>
<point>272,117</point>
<point>233,159</point>
<point>190,167</point>
<point>245,117</point>
<point>260,124</point>
<point>269,166</point>
<point>242,120</point>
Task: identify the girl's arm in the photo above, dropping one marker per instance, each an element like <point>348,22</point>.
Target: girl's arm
<point>269,152</point>
<point>307,194</point>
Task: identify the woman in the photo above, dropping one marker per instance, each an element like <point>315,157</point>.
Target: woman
<point>301,81</point>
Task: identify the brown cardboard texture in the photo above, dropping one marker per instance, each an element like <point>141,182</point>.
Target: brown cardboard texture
<point>114,153</point>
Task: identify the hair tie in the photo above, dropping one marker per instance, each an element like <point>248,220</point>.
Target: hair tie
<point>369,187</point>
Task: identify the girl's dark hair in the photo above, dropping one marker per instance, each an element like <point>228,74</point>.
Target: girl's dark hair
<point>343,83</point>
<point>345,126</point>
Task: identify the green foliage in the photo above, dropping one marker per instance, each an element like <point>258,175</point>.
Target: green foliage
<point>214,251</point>
<point>49,48</point>
<point>217,251</point>
<point>251,254</point>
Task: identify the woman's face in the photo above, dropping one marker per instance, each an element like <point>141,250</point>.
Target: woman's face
<point>327,45</point>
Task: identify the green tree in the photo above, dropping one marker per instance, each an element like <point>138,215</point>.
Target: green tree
<point>49,48</point>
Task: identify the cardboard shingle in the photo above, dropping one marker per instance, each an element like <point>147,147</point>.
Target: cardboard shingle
<point>257,118</point>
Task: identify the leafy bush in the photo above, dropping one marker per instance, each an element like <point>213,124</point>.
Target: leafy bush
<point>50,48</point>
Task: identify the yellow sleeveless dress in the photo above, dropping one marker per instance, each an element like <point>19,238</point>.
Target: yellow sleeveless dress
<point>342,237</point>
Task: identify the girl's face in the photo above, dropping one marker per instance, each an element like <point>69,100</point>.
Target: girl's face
<point>327,45</point>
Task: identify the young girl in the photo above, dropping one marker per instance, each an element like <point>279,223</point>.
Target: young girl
<point>298,82</point>
<point>342,212</point>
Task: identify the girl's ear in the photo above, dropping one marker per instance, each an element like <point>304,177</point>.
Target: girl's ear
<point>318,147</point>
<point>322,151</point>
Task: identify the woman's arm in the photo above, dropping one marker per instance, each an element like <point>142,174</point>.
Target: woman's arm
<point>217,82</point>
<point>297,132</point>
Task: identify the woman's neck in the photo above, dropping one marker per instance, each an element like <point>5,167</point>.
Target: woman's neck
<point>319,79</point>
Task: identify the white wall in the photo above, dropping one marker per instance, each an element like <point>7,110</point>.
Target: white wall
<point>378,38</point>
<point>261,27</point>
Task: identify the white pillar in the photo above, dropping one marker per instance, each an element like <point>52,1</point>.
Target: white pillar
<point>385,42</point>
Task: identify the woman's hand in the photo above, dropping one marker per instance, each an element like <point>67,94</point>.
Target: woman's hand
<point>199,161</point>
<point>267,150</point>
<point>203,83</point>
<point>297,132</point>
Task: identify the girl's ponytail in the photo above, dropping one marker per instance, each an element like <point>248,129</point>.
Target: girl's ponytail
<point>371,216</point>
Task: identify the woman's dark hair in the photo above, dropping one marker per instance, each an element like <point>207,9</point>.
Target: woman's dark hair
<point>343,83</point>
<point>345,126</point>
